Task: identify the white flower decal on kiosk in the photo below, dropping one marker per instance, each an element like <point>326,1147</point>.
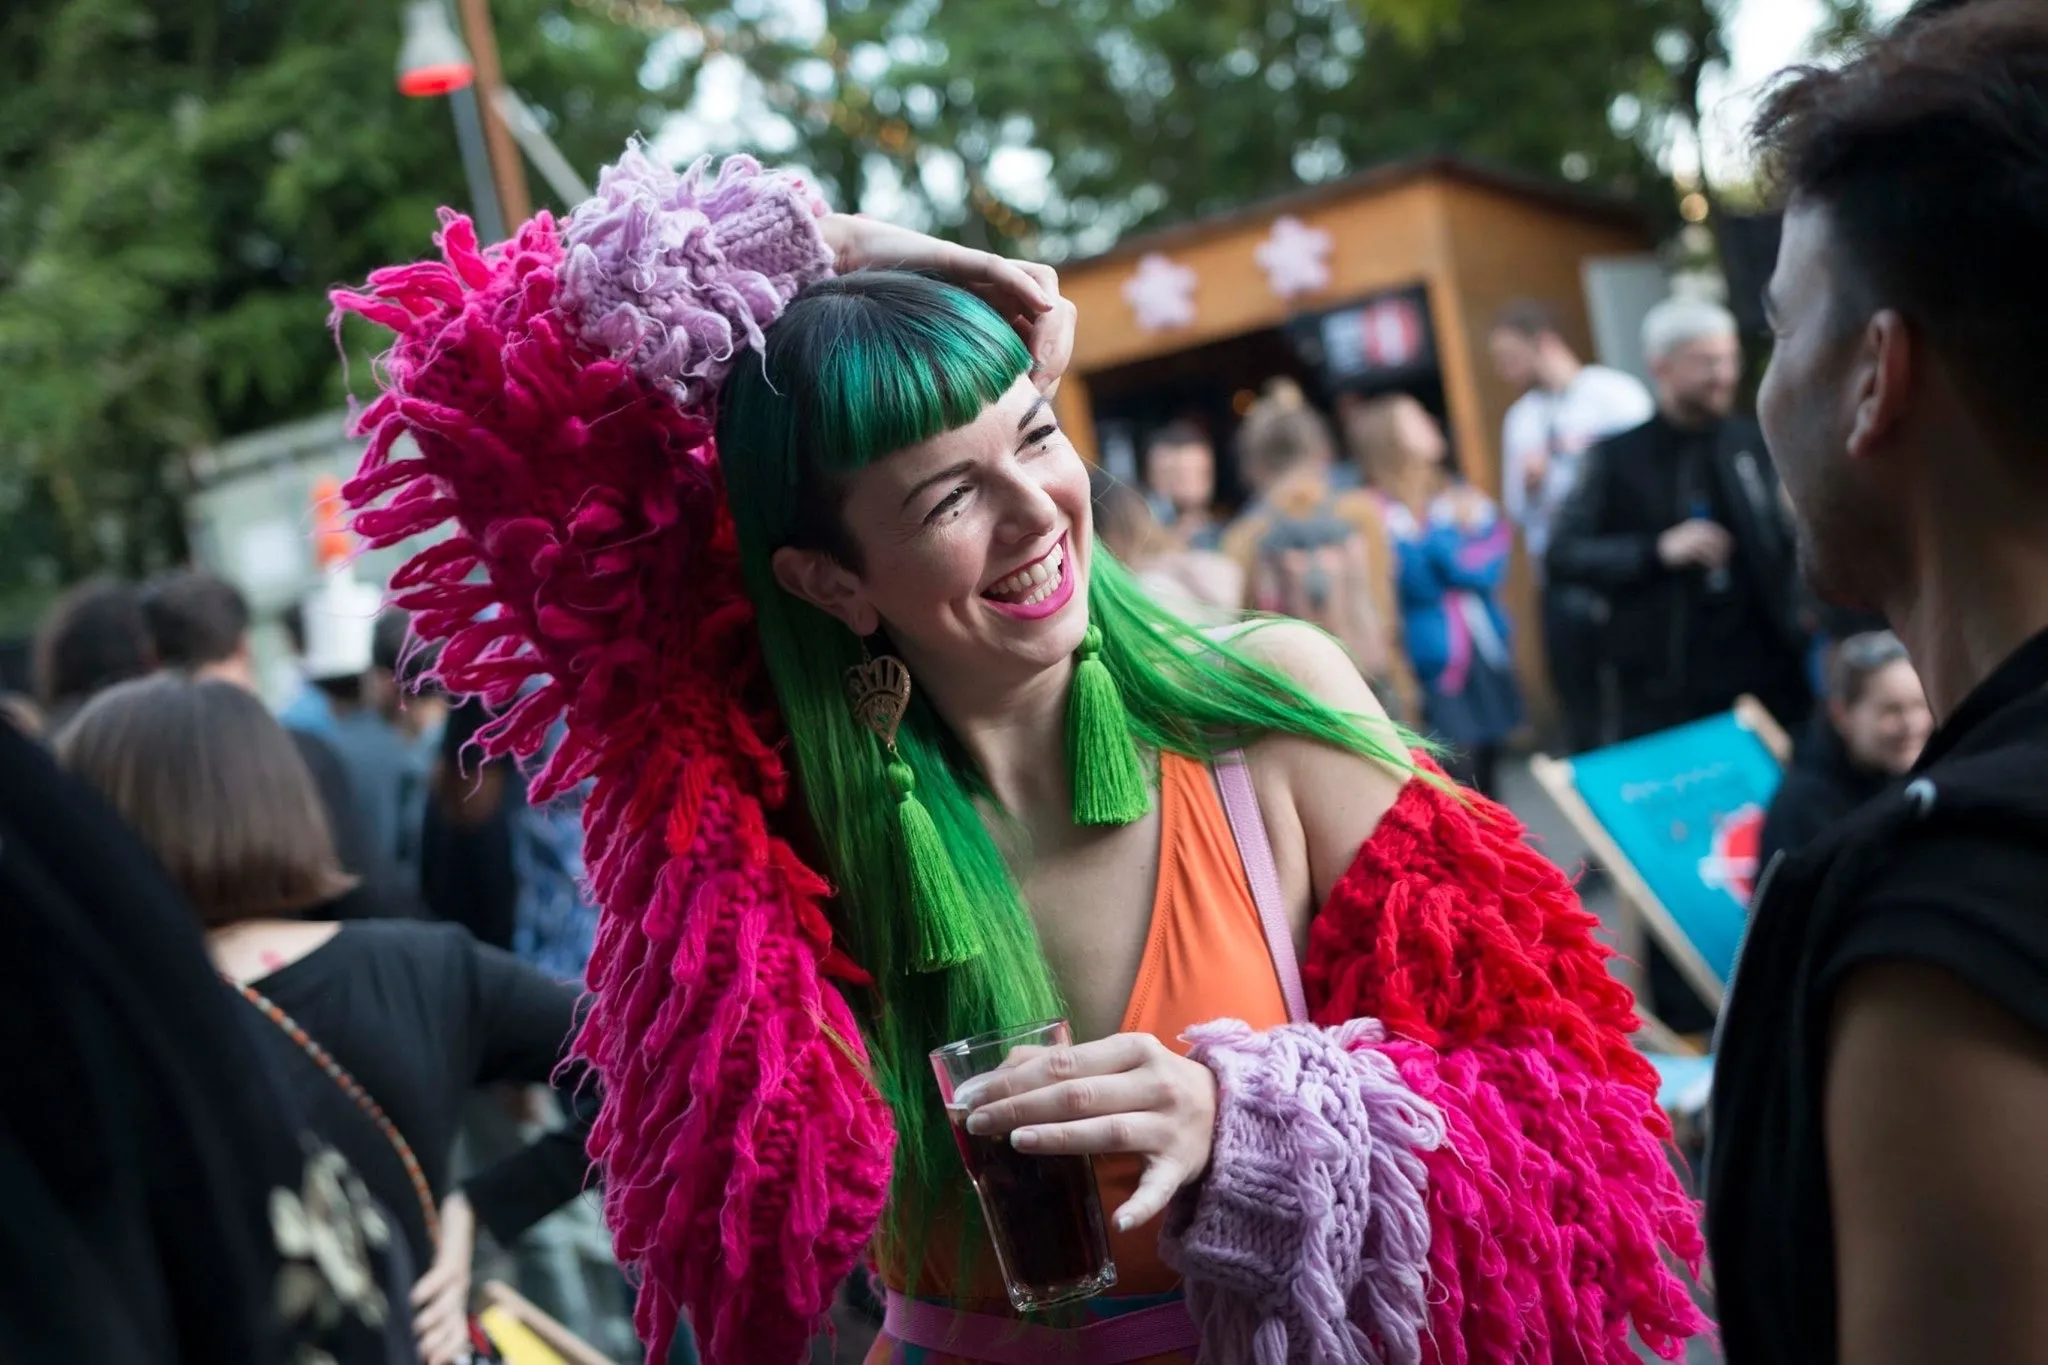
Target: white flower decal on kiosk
<point>1162,293</point>
<point>1295,258</point>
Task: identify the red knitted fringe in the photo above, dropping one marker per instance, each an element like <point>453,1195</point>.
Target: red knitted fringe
<point>1556,1213</point>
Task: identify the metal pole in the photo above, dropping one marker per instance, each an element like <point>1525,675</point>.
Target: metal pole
<point>476,166</point>
<point>547,157</point>
<point>506,168</point>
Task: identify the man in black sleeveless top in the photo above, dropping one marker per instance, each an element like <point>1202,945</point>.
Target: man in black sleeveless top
<point>1878,1178</point>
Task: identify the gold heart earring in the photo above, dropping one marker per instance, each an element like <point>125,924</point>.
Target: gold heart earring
<point>878,689</point>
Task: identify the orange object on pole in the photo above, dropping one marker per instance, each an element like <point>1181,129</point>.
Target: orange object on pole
<point>333,542</point>
<point>506,167</point>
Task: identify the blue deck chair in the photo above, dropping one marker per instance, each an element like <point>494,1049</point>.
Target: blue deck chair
<point>1676,818</point>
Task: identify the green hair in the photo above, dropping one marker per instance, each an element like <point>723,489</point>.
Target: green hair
<point>857,368</point>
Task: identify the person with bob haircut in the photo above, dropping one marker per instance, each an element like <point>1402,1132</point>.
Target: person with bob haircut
<point>773,505</point>
<point>391,1021</point>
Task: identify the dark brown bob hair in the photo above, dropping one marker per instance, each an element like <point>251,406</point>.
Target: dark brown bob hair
<point>216,787</point>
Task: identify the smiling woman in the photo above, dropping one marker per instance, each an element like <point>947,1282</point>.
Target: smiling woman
<point>913,481</point>
<point>871,621</point>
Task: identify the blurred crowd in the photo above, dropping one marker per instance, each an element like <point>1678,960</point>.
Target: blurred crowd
<point>1659,542</point>
<point>395,908</point>
<point>1660,545</point>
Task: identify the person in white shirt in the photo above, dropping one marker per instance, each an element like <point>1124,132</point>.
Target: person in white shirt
<point>1566,406</point>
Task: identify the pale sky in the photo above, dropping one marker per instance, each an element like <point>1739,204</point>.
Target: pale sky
<point>1764,36</point>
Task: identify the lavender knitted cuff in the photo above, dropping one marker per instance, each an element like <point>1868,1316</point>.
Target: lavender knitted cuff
<point>1308,1241</point>
<point>673,274</point>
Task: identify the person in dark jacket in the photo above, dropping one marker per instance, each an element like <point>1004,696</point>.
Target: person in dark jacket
<point>1871,731</point>
<point>1681,524</point>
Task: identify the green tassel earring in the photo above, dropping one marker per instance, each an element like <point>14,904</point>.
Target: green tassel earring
<point>946,931</point>
<point>1109,781</point>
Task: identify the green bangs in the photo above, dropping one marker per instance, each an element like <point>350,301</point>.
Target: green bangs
<point>858,367</point>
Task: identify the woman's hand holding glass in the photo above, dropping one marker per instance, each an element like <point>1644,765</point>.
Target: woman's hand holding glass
<point>1024,292</point>
<point>1124,1093</point>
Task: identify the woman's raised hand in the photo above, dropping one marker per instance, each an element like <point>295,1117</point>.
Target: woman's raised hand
<point>1125,1093</point>
<point>1024,292</point>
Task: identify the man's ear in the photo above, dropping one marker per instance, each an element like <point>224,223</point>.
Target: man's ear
<point>1884,380</point>
<point>817,578</point>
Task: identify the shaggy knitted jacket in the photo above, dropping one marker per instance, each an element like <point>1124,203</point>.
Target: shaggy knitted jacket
<point>1466,1154</point>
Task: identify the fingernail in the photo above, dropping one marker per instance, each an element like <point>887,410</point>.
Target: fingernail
<point>1124,1222</point>
<point>1024,1139</point>
<point>978,1124</point>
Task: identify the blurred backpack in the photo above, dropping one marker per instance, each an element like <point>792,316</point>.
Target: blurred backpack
<point>554,924</point>
<point>1312,562</point>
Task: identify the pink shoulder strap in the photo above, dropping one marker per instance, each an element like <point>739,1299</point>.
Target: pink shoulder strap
<point>1248,827</point>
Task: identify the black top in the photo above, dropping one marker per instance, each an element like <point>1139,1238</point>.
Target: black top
<point>468,874</point>
<point>1685,642</point>
<point>1823,787</point>
<point>382,888</point>
<point>420,1014</point>
<point>1947,871</point>
<point>146,1136</point>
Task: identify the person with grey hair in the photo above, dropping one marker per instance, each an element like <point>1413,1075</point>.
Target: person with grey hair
<point>1681,324</point>
<point>1680,523</point>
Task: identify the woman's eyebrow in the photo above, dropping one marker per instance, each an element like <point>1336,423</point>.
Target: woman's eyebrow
<point>1037,404</point>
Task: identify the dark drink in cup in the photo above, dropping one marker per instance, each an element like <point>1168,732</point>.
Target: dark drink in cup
<point>1043,1213</point>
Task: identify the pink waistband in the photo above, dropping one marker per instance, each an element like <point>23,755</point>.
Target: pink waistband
<point>1006,1341</point>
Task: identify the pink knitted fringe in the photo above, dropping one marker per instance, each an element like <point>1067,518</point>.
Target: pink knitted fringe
<point>1549,1209</point>
<point>745,1152</point>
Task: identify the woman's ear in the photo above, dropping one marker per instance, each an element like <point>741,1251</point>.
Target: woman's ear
<point>817,578</point>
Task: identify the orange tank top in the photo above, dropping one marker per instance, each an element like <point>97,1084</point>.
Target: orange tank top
<point>1205,957</point>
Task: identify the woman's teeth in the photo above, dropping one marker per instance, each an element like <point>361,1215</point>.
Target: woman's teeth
<point>1028,587</point>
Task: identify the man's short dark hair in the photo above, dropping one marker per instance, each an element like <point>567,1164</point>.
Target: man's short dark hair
<point>1176,434</point>
<point>1924,11</point>
<point>1531,318</point>
<point>388,650</point>
<point>293,619</point>
<point>94,637</point>
<point>1929,153</point>
<point>196,618</point>
<point>387,640</point>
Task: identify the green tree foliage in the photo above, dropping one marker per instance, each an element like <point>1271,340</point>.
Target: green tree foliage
<point>180,181</point>
<point>1151,111</point>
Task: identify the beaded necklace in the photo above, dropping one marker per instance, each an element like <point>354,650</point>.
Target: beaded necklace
<point>353,1088</point>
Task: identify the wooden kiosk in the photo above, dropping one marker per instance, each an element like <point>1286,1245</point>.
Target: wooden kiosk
<point>1389,280</point>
